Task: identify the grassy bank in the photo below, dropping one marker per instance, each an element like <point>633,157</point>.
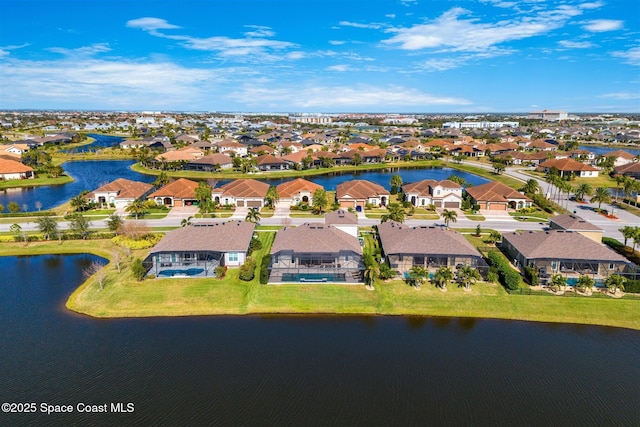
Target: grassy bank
<point>125,297</point>
<point>36,182</point>
<point>507,180</point>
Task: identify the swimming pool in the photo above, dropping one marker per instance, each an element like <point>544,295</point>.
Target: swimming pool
<point>187,272</point>
<point>572,281</point>
<point>313,277</point>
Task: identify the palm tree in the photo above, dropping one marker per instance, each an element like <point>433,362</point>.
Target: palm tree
<point>467,276</point>
<point>253,215</point>
<point>442,277</point>
<point>620,179</point>
<point>627,232</point>
<point>319,200</point>
<point>615,282</point>
<point>161,180</point>
<point>272,196</point>
<point>371,274</point>
<point>203,193</point>
<point>48,226</point>
<point>558,281</point>
<point>396,183</point>
<point>136,208</point>
<point>582,190</point>
<point>79,203</point>
<point>531,187</point>
<point>449,216</point>
<point>629,186</point>
<point>584,283</point>
<point>186,221</point>
<point>601,195</point>
<point>395,212</point>
<point>417,275</point>
<point>636,238</point>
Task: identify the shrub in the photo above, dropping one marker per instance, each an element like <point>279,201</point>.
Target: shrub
<point>632,286</point>
<point>138,269</point>
<point>264,269</point>
<point>509,278</point>
<point>386,272</point>
<point>247,270</point>
<point>531,276</point>
<point>147,242</point>
<point>221,271</point>
<point>255,245</point>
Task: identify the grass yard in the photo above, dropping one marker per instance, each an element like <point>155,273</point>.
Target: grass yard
<point>42,179</point>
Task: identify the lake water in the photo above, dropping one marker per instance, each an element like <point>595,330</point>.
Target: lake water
<point>101,141</point>
<point>302,370</point>
<point>604,150</point>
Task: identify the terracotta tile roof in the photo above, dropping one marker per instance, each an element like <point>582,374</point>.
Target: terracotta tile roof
<point>360,189</point>
<point>398,238</point>
<point>265,148</point>
<point>290,188</point>
<point>125,188</point>
<point>243,188</point>
<point>232,236</point>
<point>567,165</point>
<point>13,166</point>
<point>622,154</point>
<point>186,153</point>
<point>269,159</point>
<point>494,192</point>
<point>558,244</point>
<point>181,188</point>
<point>315,238</point>
<point>628,168</point>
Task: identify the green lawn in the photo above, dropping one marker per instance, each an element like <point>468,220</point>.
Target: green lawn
<point>39,181</point>
<point>469,167</point>
<point>124,297</point>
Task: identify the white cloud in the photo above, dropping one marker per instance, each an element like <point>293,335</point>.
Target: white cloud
<point>259,31</point>
<point>390,15</point>
<point>151,24</point>
<point>602,25</point>
<point>337,42</point>
<point>358,97</point>
<point>568,44</point>
<point>452,32</point>
<point>632,55</point>
<point>6,50</point>
<point>592,5</point>
<point>339,68</point>
<point>371,26</point>
<point>82,51</point>
<point>408,3</point>
<point>623,96</point>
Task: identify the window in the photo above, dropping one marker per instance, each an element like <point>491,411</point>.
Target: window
<point>554,265</point>
<point>233,256</point>
<point>611,266</point>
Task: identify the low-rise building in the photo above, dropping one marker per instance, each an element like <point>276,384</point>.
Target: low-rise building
<point>579,225</point>
<point>181,192</point>
<point>358,193</point>
<point>120,193</point>
<point>443,194</point>
<point>13,169</point>
<point>241,193</point>
<point>494,196</point>
<point>343,220</point>
<point>297,191</point>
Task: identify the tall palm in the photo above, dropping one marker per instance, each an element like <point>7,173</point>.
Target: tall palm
<point>395,212</point>
<point>629,186</point>
<point>636,237</point>
<point>272,196</point>
<point>371,274</point>
<point>417,275</point>
<point>442,277</point>
<point>531,186</point>
<point>136,208</point>
<point>396,183</point>
<point>627,232</point>
<point>620,179</point>
<point>449,216</point>
<point>601,196</point>
<point>582,190</point>
<point>467,276</point>
<point>253,215</point>
<point>79,203</point>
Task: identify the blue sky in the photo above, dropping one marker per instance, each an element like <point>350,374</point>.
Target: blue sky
<point>321,56</point>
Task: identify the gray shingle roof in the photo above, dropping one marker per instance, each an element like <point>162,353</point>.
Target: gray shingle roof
<point>315,238</point>
<point>398,238</point>
<point>573,223</point>
<point>232,236</point>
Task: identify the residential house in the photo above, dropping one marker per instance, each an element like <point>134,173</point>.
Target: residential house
<point>185,154</point>
<point>268,162</point>
<point>577,224</point>
<point>404,247</point>
<point>566,252</point>
<point>343,220</point>
<point>13,169</point>
<point>443,194</point>
<point>621,157</point>
<point>120,193</point>
<point>231,146</point>
<point>569,167</point>
<point>497,196</point>
<point>315,253</point>
<point>181,192</point>
<point>630,169</point>
<point>297,191</point>
<point>210,163</point>
<point>358,193</point>
<point>241,193</point>
<point>196,250</point>
<point>17,148</point>
<point>262,149</point>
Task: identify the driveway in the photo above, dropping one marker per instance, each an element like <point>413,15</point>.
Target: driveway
<point>182,212</point>
<point>240,213</point>
<point>282,210</point>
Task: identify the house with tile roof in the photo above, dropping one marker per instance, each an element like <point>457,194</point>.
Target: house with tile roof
<point>210,163</point>
<point>630,169</point>
<point>241,193</point>
<point>181,192</point>
<point>622,157</point>
<point>443,194</point>
<point>316,253</point>
<point>430,247</point>
<point>196,250</point>
<point>14,169</point>
<point>269,162</point>
<point>120,193</point>
<point>358,193</point>
<point>495,196</point>
<point>566,252</point>
<point>297,191</point>
<point>570,166</point>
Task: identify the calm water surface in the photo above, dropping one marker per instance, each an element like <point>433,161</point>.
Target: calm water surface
<point>604,150</point>
<point>295,371</point>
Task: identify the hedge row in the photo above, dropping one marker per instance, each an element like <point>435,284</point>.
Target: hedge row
<point>509,278</point>
<point>27,214</point>
<point>264,269</point>
<point>247,270</point>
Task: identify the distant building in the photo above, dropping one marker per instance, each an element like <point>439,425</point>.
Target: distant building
<point>317,119</point>
<point>480,125</point>
<point>548,115</point>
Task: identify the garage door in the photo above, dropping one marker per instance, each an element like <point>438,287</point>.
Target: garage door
<point>497,207</point>
<point>254,203</point>
<point>240,203</point>
<point>451,204</point>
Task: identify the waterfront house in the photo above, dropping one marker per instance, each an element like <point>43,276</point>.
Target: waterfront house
<point>181,192</point>
<point>315,253</point>
<point>443,194</point>
<point>13,169</point>
<point>426,246</point>
<point>579,225</point>
<point>210,163</point>
<point>631,169</point>
<point>268,162</point>
<point>241,193</point>
<point>231,146</point>
<point>120,193</point>
<point>569,166</point>
<point>297,191</point>
<point>621,157</point>
<point>566,252</point>
<point>196,250</point>
<point>359,193</point>
<point>495,196</point>
<point>343,220</point>
<point>185,154</point>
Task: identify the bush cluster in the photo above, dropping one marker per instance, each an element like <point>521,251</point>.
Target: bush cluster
<point>632,286</point>
<point>531,275</point>
<point>264,269</point>
<point>509,278</point>
<point>255,245</point>
<point>147,242</point>
<point>247,270</point>
<point>221,271</point>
